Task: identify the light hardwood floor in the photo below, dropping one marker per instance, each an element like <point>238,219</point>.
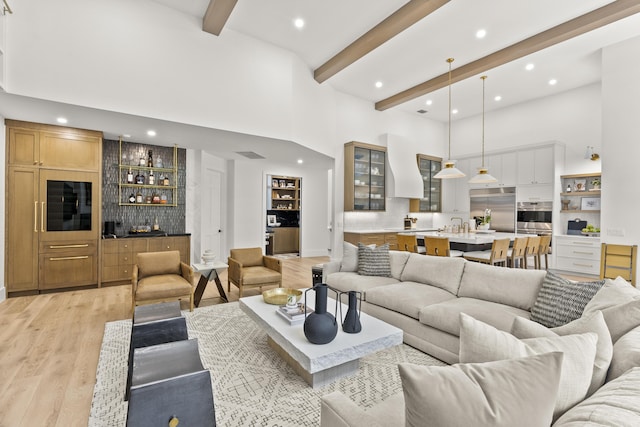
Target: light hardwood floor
<point>50,346</point>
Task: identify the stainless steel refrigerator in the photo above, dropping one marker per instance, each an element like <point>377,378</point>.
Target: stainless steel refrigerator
<point>501,201</point>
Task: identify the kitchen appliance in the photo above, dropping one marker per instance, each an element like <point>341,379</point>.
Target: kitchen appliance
<point>535,218</point>
<point>575,226</point>
<point>502,203</point>
<point>410,223</point>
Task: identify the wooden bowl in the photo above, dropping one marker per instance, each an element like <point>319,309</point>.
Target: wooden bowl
<point>279,296</point>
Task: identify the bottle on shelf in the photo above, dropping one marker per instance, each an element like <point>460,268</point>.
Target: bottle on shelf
<point>163,199</point>
<point>155,198</point>
<point>129,176</point>
<point>140,178</point>
<point>156,226</point>
<point>139,197</point>
<point>148,200</point>
<point>132,198</point>
<point>166,180</point>
<point>159,162</point>
<point>152,179</point>
<point>143,161</point>
<point>150,159</point>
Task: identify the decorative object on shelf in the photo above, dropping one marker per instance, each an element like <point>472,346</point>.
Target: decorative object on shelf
<point>568,188</point>
<point>565,204</point>
<point>483,176</point>
<point>351,321</point>
<point>590,203</point>
<point>449,170</point>
<point>580,184</point>
<point>590,154</point>
<point>159,163</point>
<point>595,184</point>
<point>320,327</point>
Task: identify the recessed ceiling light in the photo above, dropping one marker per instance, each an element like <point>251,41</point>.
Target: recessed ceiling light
<point>298,23</point>
<point>151,132</point>
<point>428,102</point>
<point>62,120</point>
<point>553,82</point>
<point>300,161</point>
<point>497,98</point>
<point>454,111</point>
<point>529,67</point>
<point>481,33</point>
<point>126,135</point>
<point>378,84</point>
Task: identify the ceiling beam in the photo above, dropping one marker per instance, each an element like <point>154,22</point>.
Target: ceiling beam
<point>394,24</point>
<point>216,15</point>
<point>582,24</point>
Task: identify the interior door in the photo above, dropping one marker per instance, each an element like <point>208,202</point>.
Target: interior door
<point>211,212</point>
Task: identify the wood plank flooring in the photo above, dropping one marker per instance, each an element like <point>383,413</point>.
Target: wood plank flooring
<point>50,346</point>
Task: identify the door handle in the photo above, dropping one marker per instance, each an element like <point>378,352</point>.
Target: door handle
<point>35,216</point>
<point>65,258</point>
<point>42,217</point>
<point>84,245</point>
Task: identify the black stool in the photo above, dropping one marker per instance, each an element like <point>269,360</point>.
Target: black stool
<point>155,324</point>
<point>169,386</point>
<point>316,274</point>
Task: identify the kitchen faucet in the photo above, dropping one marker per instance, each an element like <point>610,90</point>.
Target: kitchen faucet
<point>457,217</point>
<point>456,229</point>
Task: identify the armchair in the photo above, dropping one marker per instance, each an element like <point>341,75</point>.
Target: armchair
<point>161,277</point>
<point>249,268</point>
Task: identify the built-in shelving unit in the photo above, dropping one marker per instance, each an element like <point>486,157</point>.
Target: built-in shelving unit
<point>285,193</point>
<point>584,194</point>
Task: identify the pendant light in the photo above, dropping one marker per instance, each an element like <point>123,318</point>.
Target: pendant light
<point>483,176</point>
<point>449,170</point>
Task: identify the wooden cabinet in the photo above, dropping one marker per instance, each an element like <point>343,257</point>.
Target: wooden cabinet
<point>285,240</point>
<point>53,207</point>
<point>119,255</point>
<point>372,239</point>
<point>284,193</point>
<point>432,187</point>
<point>364,177</point>
<point>536,166</point>
<point>578,254</point>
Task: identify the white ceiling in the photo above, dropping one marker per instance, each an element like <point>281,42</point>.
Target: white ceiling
<point>416,55</point>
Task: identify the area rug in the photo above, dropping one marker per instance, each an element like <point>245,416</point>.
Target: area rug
<point>252,385</point>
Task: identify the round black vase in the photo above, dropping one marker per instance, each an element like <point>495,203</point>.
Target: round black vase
<point>320,327</point>
<point>351,324</point>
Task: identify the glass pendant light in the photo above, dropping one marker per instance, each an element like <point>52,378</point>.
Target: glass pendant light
<point>449,170</point>
<point>483,176</point>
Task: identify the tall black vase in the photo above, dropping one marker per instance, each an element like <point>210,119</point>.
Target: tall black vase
<point>351,323</point>
<point>320,327</point>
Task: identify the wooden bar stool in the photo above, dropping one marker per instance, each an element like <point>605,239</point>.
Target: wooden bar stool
<point>545,249</point>
<point>439,246</point>
<point>516,253</point>
<point>618,260</point>
<point>497,254</point>
<point>533,248</point>
<point>409,243</point>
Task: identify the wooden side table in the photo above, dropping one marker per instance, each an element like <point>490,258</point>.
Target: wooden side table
<point>209,272</point>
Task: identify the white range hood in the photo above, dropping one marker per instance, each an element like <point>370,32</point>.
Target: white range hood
<point>404,179</point>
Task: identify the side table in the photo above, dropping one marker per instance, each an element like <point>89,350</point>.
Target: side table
<point>209,272</point>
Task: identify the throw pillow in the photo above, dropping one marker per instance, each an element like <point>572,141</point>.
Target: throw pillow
<point>515,392</point>
<point>480,342</point>
<point>349,257</point>
<point>626,354</point>
<point>561,301</point>
<point>620,305</point>
<point>374,261</point>
<point>622,318</point>
<point>523,328</point>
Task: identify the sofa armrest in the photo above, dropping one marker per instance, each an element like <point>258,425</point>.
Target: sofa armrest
<point>272,263</point>
<point>337,410</point>
<point>330,267</point>
<point>187,272</point>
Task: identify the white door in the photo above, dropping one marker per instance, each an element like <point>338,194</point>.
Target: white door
<point>212,212</point>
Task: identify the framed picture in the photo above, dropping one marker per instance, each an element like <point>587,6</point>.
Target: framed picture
<point>590,204</point>
<point>580,185</point>
<point>271,220</point>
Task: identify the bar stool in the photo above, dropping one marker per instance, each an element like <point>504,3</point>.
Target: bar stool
<point>439,246</point>
<point>516,253</point>
<point>409,243</point>
<point>497,254</point>
<point>545,249</point>
<point>533,248</point>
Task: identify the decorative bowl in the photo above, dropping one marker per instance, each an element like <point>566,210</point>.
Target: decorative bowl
<point>279,296</point>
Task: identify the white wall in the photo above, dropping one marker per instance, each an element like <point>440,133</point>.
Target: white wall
<point>3,175</point>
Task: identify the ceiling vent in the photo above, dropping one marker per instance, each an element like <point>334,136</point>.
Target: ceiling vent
<point>422,111</point>
<point>250,155</point>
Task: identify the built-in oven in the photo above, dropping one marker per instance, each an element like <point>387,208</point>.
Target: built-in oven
<point>534,218</point>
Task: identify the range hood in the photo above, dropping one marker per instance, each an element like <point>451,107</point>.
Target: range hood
<point>405,179</point>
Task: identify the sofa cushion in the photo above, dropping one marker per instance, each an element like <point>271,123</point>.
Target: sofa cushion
<point>407,297</point>
<point>374,261</point>
<point>620,305</point>
<point>344,281</point>
<point>523,328</point>
<point>446,315</point>
<point>162,286</point>
<point>398,260</point>
<point>156,263</point>
<point>339,411</point>
<point>480,342</point>
<point>626,354</point>
<point>510,286</point>
<point>443,272</point>
<point>615,404</point>
<point>561,301</point>
<point>258,275</point>
<point>517,392</point>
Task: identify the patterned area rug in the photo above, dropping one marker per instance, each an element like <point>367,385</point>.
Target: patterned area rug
<point>252,385</point>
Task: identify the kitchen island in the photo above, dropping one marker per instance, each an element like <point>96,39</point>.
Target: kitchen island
<point>478,241</point>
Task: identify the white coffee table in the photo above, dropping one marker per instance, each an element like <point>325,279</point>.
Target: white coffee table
<point>322,364</point>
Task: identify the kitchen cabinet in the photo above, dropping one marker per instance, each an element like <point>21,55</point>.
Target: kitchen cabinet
<point>286,240</point>
<point>53,207</point>
<point>578,254</point>
<point>432,187</point>
<point>501,166</point>
<point>364,177</point>
<point>284,193</point>
<point>119,255</point>
<point>372,238</point>
<point>536,166</point>
<point>455,192</point>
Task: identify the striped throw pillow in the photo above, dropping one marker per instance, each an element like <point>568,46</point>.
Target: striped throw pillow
<point>374,261</point>
<point>561,301</point>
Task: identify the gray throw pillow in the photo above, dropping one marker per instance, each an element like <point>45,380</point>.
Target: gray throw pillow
<point>374,261</point>
<point>561,301</point>
<point>349,257</point>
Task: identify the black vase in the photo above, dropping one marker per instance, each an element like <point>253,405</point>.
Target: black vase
<point>320,327</point>
<point>351,323</point>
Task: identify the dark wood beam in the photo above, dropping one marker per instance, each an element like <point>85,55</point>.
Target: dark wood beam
<point>394,24</point>
<point>582,24</point>
<point>216,15</point>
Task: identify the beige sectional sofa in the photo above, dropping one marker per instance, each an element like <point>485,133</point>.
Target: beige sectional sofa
<point>425,295</point>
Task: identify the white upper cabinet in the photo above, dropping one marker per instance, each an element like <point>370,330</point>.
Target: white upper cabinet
<point>455,192</point>
<point>501,166</point>
<point>536,166</point>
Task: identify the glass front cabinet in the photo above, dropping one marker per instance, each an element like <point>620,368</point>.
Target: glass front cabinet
<point>364,177</point>
<point>431,200</point>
